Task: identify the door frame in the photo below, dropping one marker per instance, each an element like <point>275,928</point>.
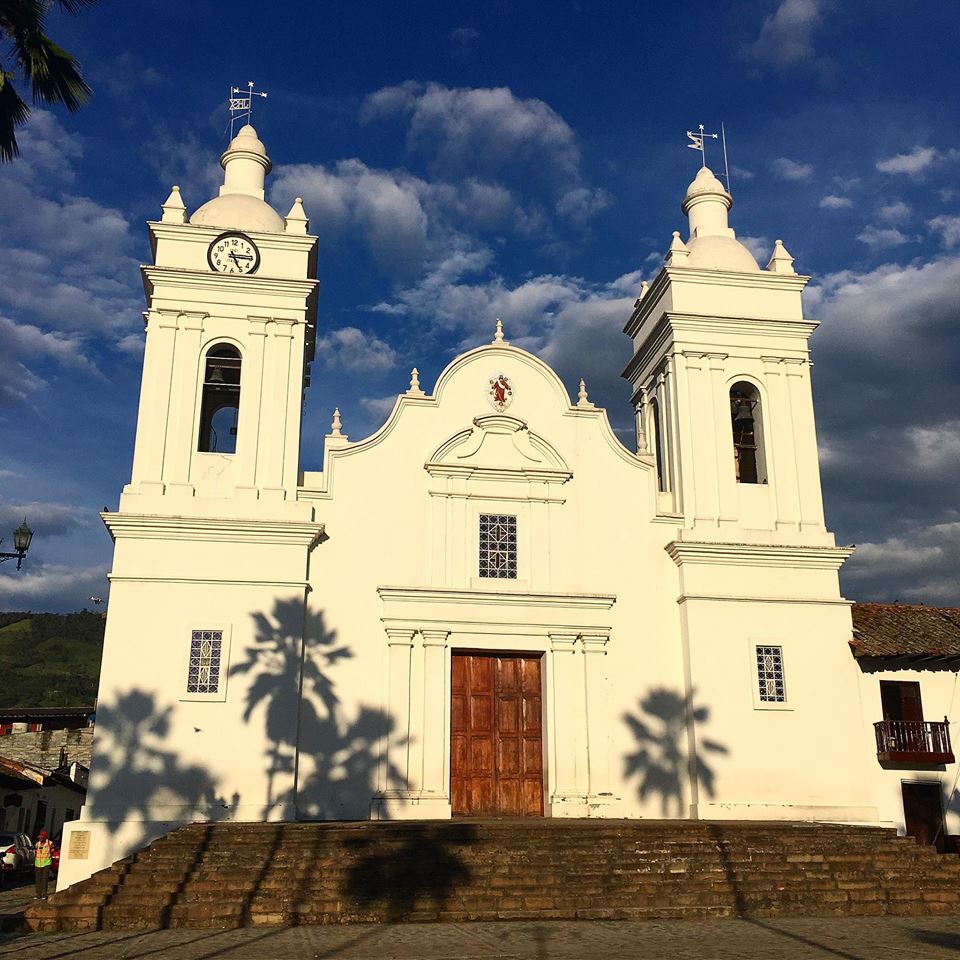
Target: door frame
<point>941,841</point>
<point>541,655</point>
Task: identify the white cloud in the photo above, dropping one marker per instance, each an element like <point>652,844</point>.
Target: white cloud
<point>917,161</point>
<point>788,169</point>
<point>760,247</point>
<point>24,347</point>
<point>355,351</point>
<point>833,202</point>
<point>739,173</point>
<point>897,212</point>
<point>948,226</point>
<point>52,586</point>
<point>379,407</point>
<point>581,203</point>
<point>45,519</point>
<point>882,238</point>
<point>480,130</point>
<point>786,36</point>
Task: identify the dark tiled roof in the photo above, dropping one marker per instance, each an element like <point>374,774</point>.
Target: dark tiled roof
<point>905,630</point>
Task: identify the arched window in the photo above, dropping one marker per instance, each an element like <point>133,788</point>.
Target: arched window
<point>745,416</point>
<point>221,401</point>
<point>658,446</point>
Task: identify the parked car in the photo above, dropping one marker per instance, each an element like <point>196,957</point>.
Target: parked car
<point>16,853</point>
<point>55,865</point>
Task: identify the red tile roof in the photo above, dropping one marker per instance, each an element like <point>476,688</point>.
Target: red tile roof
<point>905,630</point>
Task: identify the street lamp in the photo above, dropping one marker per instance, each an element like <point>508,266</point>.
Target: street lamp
<point>21,544</point>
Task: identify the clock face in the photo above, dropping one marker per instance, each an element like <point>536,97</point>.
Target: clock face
<point>233,253</point>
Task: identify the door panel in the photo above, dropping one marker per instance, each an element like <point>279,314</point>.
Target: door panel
<point>496,755</point>
<point>923,813</point>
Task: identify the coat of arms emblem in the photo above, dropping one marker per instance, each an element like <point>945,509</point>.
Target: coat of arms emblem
<point>500,393</point>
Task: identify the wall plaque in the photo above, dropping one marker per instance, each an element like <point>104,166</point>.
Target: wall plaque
<point>79,845</point>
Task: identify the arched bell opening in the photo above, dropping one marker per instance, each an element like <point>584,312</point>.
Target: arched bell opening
<point>220,407</point>
<point>746,417</point>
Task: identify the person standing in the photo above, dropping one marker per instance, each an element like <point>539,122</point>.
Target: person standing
<point>42,862</point>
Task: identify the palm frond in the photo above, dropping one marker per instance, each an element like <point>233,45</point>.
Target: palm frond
<point>75,6</point>
<point>13,112</point>
<point>54,74</point>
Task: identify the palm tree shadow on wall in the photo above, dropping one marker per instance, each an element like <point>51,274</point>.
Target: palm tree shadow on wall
<point>661,761</point>
<point>137,776</point>
<point>288,669</point>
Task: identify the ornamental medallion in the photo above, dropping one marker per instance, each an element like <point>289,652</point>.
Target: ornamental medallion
<point>500,392</point>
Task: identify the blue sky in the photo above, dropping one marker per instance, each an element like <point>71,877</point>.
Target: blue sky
<point>525,160</point>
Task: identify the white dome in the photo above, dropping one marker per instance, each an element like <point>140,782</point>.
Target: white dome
<point>239,211</point>
<point>720,253</point>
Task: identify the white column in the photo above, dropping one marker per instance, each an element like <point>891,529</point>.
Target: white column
<point>274,411</point>
<point>399,649</point>
<point>567,734</point>
<point>597,695</point>
<point>153,418</point>
<point>805,440</point>
<point>436,715</point>
<point>779,445</point>
<point>249,423</point>
<point>184,388</point>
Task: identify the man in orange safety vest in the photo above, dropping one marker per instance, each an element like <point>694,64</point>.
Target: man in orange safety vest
<point>42,862</point>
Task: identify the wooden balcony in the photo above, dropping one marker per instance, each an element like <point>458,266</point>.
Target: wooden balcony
<point>913,741</point>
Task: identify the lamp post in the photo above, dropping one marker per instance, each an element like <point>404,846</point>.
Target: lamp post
<point>21,544</point>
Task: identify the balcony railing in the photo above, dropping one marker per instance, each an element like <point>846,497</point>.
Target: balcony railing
<point>914,741</point>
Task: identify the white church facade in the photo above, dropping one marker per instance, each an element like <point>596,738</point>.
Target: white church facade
<point>491,606</point>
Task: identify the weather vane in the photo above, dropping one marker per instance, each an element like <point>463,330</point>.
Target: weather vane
<point>698,142</point>
<point>241,103</point>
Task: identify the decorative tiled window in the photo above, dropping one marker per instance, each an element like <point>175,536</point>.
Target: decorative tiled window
<point>770,675</point>
<point>498,546</point>
<point>203,674</point>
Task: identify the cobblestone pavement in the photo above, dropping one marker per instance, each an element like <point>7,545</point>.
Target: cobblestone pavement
<point>880,938</point>
<point>14,897</point>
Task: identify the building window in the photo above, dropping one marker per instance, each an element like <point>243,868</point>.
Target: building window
<point>498,546</point>
<point>770,680</point>
<point>203,674</point>
<point>900,700</point>
<point>220,406</point>
<point>747,432</point>
<point>658,447</point>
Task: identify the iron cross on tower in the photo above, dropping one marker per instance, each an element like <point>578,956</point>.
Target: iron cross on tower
<point>241,103</point>
<point>698,142</point>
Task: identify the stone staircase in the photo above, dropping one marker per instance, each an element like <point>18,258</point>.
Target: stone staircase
<point>237,874</point>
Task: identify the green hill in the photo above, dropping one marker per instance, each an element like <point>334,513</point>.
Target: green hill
<point>50,659</point>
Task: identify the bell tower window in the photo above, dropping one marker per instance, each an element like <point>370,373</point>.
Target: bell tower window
<point>745,415</point>
<point>220,406</point>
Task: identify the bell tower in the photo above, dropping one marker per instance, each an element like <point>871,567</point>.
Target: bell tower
<point>230,332</point>
<point>721,384</point>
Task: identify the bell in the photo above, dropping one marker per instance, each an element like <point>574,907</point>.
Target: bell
<point>743,415</point>
<point>216,375</point>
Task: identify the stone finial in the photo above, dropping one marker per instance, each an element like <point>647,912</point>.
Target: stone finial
<point>781,261</point>
<point>582,399</point>
<point>174,209</point>
<point>644,287</point>
<point>678,251</point>
<point>414,387</point>
<point>296,220</point>
<point>336,424</point>
<point>498,336</point>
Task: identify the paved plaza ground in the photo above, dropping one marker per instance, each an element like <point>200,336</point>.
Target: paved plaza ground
<point>881,938</point>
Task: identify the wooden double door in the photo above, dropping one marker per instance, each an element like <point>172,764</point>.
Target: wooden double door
<point>496,735</point>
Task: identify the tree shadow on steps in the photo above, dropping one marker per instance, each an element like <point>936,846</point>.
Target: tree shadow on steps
<point>409,878</point>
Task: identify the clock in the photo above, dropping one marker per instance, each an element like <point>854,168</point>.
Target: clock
<point>233,253</point>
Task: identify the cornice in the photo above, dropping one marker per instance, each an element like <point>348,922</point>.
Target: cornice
<point>758,555</point>
<point>141,526</point>
<point>506,598</point>
<point>195,233</point>
<point>222,283</point>
<point>717,278</point>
